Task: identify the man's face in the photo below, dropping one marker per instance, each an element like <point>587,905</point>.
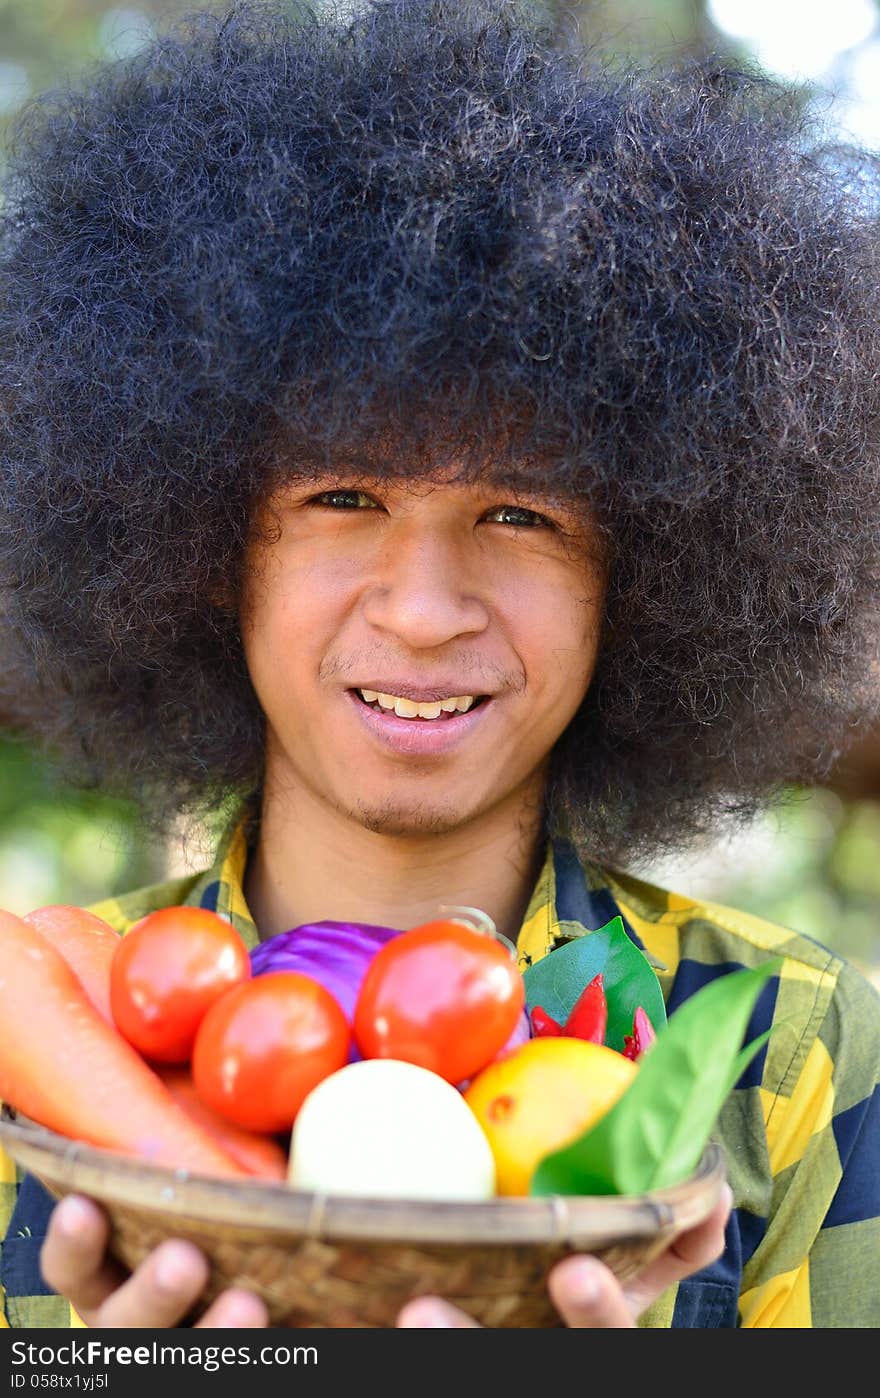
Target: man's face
<point>455,590</point>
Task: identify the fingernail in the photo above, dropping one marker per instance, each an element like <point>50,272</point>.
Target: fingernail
<point>243,1310</point>
<point>426,1315</point>
<point>173,1269</point>
<point>74,1217</point>
<point>583,1284</point>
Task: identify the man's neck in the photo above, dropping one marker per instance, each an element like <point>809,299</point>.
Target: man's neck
<point>314,865</point>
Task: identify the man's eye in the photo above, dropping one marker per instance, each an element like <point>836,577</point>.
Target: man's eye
<point>533,519</point>
<point>347,500</point>
<point>327,496</point>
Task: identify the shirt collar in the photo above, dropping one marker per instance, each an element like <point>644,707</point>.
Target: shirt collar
<point>570,898</point>
<point>221,888</point>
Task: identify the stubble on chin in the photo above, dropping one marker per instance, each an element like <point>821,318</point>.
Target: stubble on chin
<point>403,819</point>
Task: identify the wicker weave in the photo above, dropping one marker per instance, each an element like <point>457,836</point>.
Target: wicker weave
<point>328,1262</point>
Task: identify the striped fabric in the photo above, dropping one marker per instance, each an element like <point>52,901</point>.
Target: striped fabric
<point>801,1129</point>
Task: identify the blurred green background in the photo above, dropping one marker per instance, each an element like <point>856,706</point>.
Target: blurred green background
<point>812,863</point>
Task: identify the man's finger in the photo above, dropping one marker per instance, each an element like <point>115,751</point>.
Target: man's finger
<point>159,1292</point>
<point>235,1310</point>
<point>75,1263</point>
<point>429,1313</point>
<point>588,1296</point>
<point>687,1254</point>
<point>73,1258</point>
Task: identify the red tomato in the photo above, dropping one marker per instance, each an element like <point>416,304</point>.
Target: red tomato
<point>263,1047</point>
<point>166,973</point>
<point>442,996</point>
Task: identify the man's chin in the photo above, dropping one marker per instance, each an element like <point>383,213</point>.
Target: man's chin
<point>405,821</point>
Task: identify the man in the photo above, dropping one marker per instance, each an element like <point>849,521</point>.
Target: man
<point>351,367</point>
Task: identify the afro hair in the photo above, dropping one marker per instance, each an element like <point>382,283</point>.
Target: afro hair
<point>421,233</point>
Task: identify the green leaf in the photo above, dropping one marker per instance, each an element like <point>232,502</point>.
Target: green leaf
<point>657,1131</point>
<point>556,981</point>
<point>745,1056</point>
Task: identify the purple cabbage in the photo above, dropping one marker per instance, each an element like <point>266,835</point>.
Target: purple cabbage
<point>336,954</point>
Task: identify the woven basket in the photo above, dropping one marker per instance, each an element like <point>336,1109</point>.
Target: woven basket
<point>325,1261</point>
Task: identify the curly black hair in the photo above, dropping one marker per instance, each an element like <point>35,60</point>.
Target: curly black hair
<point>274,242</point>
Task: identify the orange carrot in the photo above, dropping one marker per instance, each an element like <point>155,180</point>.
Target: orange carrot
<point>254,1151</point>
<point>87,944</point>
<point>63,1066</point>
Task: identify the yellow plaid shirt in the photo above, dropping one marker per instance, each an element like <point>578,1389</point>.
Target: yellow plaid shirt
<point>801,1130</point>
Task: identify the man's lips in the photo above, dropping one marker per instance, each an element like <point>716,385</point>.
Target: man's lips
<point>419,693</point>
<point>419,736</point>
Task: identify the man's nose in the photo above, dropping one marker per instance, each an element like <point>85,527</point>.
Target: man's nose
<point>427,587</point>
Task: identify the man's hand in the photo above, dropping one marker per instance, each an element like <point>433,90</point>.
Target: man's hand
<point>157,1295</point>
<point>162,1290</point>
<point>588,1296</point>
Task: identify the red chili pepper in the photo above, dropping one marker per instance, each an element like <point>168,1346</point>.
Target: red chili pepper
<point>544,1026</point>
<point>590,1014</point>
<point>634,1044</point>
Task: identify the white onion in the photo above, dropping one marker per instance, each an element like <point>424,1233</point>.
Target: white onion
<point>382,1128</point>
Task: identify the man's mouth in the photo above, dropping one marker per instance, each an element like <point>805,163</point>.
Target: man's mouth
<point>437,712</point>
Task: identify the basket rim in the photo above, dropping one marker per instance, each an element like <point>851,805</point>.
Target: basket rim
<point>264,1206</point>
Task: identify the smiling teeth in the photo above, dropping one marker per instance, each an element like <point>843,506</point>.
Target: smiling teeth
<point>405,708</point>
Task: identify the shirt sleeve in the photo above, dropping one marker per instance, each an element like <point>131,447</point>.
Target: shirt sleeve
<point>819,1264</point>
